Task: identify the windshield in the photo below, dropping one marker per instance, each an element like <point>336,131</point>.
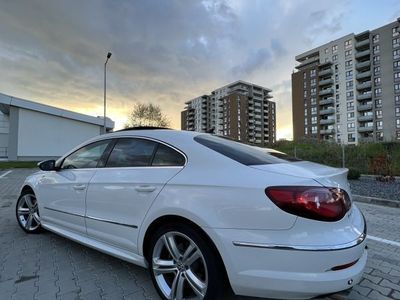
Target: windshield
<point>239,152</point>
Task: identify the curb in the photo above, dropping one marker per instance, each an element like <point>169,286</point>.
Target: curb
<point>378,201</point>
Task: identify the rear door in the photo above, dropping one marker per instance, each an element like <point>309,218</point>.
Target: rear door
<point>120,194</point>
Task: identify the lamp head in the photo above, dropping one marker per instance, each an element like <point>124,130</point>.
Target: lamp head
<point>108,55</point>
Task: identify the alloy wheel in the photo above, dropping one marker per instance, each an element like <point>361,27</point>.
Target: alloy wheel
<point>28,212</point>
<point>179,267</point>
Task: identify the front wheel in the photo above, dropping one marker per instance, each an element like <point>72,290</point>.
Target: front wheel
<point>183,265</point>
<point>27,212</point>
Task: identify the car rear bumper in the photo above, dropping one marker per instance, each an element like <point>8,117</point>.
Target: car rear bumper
<point>262,269</point>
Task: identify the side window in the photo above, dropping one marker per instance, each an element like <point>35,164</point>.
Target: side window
<point>166,156</point>
<point>86,157</point>
<point>131,152</point>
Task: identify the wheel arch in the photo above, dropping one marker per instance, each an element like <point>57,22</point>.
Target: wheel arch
<point>26,188</point>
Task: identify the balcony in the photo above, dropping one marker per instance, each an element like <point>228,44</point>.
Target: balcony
<point>307,62</point>
<point>327,111</point>
<point>363,54</point>
<point>326,92</point>
<point>365,128</point>
<point>327,131</point>
<point>325,72</point>
<point>325,82</point>
<point>363,75</point>
<point>363,65</point>
<point>364,85</point>
<point>327,121</point>
<point>362,44</point>
<point>365,96</point>
<point>365,118</point>
<point>364,107</point>
<point>326,101</point>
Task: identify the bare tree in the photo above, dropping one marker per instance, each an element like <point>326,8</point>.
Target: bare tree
<point>147,115</point>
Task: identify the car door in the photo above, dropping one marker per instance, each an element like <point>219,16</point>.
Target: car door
<point>120,194</point>
<point>62,193</point>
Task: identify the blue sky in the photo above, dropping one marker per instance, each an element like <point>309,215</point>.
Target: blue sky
<point>167,52</point>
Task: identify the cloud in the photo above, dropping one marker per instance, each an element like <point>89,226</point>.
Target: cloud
<point>164,52</point>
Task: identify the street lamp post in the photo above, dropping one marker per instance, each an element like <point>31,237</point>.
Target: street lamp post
<point>105,92</point>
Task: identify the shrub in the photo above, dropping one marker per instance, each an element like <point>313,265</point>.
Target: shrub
<point>353,174</point>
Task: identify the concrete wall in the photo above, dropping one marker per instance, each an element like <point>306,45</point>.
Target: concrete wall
<point>42,135</point>
<point>4,127</point>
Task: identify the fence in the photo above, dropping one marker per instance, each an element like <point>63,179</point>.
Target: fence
<point>367,158</point>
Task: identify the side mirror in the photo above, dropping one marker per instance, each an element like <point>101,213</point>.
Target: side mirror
<point>47,165</point>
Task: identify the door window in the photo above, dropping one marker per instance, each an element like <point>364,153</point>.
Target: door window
<point>86,157</point>
<point>131,153</point>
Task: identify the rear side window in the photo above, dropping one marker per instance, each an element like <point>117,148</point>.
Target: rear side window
<point>239,152</point>
<point>166,156</point>
<point>131,153</point>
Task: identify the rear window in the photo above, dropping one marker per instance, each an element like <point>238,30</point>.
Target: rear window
<point>239,152</point>
<point>284,156</point>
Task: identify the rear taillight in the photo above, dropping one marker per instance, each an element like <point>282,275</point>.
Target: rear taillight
<point>317,203</point>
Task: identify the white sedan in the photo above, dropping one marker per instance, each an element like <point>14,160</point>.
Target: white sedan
<point>200,211</point>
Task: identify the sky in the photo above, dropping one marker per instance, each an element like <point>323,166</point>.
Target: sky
<point>166,52</point>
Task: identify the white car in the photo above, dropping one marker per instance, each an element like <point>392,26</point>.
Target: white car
<point>199,211</point>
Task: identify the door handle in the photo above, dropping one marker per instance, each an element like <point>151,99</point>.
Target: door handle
<point>145,188</point>
<point>79,187</point>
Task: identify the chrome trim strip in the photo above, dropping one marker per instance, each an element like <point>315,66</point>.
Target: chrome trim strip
<point>111,222</point>
<point>64,212</point>
<point>348,245</point>
<point>92,218</point>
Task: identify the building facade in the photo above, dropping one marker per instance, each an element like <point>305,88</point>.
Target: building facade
<point>348,90</point>
<point>33,131</point>
<point>242,111</point>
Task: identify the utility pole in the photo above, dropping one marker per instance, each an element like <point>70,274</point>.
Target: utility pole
<point>105,92</point>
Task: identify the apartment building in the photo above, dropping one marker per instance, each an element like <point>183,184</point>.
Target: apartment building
<point>240,110</point>
<point>348,90</point>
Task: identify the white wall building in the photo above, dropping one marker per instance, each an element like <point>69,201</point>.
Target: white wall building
<point>33,131</point>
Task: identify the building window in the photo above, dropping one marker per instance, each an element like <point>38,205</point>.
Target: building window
<point>378,113</point>
<point>334,58</point>
<point>305,130</point>
<point>349,74</point>
<point>397,87</point>
<point>334,48</point>
<point>397,100</point>
<point>396,42</point>
<point>313,120</point>
<point>376,49</point>
<point>397,111</point>
<point>350,116</point>
<point>313,81</point>
<point>336,77</point>
<point>305,121</point>
<point>326,50</point>
<point>398,135</point>
<point>378,91</point>
<point>375,38</point>
<point>377,70</point>
<point>348,63</point>
<point>313,110</point>
<point>304,75</point>
<point>305,84</point>
<point>347,44</point>
<point>376,59</point>
<point>397,123</point>
<point>379,125</point>
<point>396,64</point>
<point>349,85</point>
<point>313,100</point>
<point>305,111</point>
<point>396,54</point>
<point>351,137</point>
<point>377,80</point>
<point>379,136</point>
<point>378,103</point>
<point>395,31</point>
<point>350,106</point>
<point>350,95</point>
<point>313,91</point>
<point>348,53</point>
<point>313,129</point>
<point>313,72</point>
<point>305,93</point>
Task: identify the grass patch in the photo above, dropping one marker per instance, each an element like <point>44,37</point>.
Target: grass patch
<point>18,164</point>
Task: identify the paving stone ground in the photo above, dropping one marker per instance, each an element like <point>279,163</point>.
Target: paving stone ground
<point>47,266</point>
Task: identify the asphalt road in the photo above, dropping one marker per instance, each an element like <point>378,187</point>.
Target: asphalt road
<point>47,266</point>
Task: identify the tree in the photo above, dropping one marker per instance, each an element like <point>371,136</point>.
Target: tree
<point>147,115</point>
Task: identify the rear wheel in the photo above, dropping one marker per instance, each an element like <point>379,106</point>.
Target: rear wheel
<point>183,265</point>
<point>27,212</point>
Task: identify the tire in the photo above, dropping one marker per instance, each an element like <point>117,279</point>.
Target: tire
<point>27,212</point>
<point>180,256</point>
